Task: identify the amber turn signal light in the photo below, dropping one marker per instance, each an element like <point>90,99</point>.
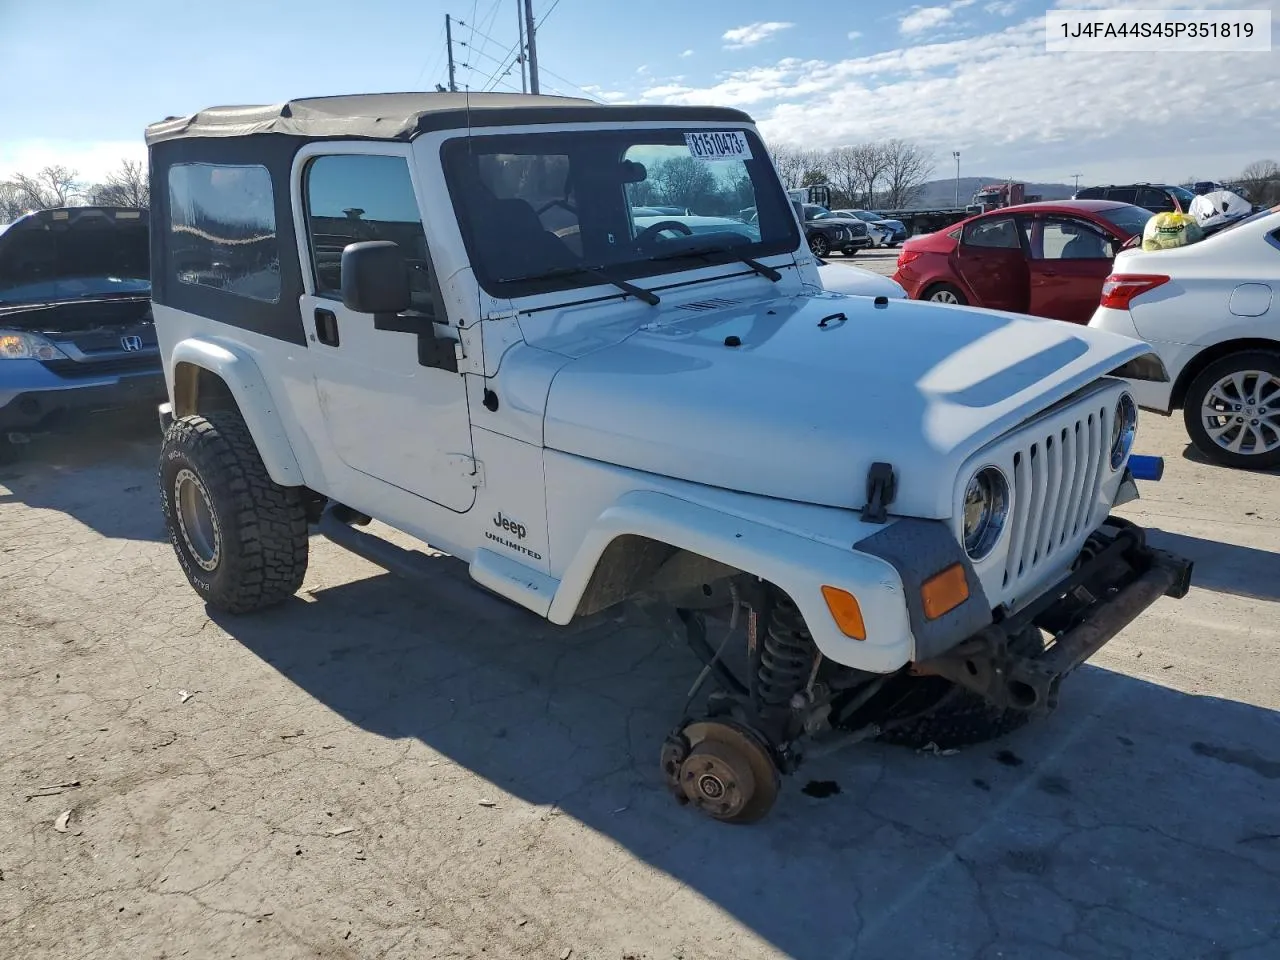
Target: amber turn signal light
<point>944,591</point>
<point>845,612</point>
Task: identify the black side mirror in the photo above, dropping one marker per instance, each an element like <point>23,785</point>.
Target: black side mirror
<point>375,278</point>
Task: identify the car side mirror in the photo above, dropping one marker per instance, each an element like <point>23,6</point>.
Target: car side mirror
<point>374,278</point>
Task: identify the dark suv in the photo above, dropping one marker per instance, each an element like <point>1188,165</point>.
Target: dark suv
<point>1156,197</point>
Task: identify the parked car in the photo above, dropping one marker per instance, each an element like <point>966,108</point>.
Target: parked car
<point>76,335</point>
<point>1211,311</point>
<point>893,232</point>
<point>828,233</point>
<point>1047,259</point>
<point>828,490</point>
<point>1156,197</point>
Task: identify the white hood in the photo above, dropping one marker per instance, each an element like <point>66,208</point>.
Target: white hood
<point>800,411</point>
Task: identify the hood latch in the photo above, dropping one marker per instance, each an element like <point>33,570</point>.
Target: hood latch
<point>882,487</point>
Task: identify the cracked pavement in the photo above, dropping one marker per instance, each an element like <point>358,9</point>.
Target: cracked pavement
<point>385,770</point>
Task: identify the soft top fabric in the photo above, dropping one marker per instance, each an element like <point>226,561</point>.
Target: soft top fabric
<point>403,116</point>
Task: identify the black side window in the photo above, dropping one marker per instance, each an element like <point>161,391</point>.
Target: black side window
<point>352,198</point>
<point>222,229</point>
<point>1090,193</point>
<point>1123,195</point>
<point>1157,201</point>
<point>998,232</point>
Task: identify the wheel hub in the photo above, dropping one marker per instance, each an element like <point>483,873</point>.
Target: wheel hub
<point>1240,412</point>
<point>717,779</point>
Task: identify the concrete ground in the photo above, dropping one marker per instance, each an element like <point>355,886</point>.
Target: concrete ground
<point>379,770</point>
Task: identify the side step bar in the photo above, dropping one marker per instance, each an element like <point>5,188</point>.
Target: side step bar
<point>411,564</point>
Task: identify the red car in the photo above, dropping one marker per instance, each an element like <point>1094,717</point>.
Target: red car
<point>1046,259</point>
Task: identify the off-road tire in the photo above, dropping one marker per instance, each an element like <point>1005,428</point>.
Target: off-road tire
<point>1254,360</point>
<point>962,719</point>
<point>960,299</point>
<point>260,527</point>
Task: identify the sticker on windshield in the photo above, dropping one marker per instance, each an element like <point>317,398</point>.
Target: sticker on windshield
<point>718,145</point>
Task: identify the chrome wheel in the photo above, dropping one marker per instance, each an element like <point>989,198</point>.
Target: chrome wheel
<point>820,246</point>
<point>196,520</point>
<point>944,296</point>
<point>1241,412</point>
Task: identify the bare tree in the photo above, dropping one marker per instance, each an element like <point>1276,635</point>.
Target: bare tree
<point>790,164</point>
<point>53,186</point>
<point>907,167</point>
<point>127,186</point>
<point>871,162</point>
<point>684,182</point>
<point>846,177</point>
<point>11,205</point>
<point>1261,181</point>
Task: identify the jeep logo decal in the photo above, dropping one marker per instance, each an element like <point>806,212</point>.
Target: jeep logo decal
<point>506,523</point>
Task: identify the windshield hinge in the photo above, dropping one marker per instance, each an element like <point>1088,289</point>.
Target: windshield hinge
<point>882,487</point>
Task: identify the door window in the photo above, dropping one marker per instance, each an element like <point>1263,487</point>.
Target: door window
<point>993,232</point>
<point>1068,238</point>
<point>352,198</point>
<point>1123,195</point>
<point>1157,201</point>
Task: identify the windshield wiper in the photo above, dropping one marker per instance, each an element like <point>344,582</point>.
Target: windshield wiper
<point>640,293</point>
<point>706,252</point>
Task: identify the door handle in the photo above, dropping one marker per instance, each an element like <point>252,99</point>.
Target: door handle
<point>326,327</point>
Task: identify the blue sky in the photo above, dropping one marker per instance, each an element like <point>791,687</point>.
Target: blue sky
<point>80,79</point>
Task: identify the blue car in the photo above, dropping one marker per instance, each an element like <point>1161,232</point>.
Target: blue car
<point>76,335</point>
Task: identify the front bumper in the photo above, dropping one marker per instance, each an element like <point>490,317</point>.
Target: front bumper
<point>857,243</point>
<point>30,404</point>
<point>1116,578</point>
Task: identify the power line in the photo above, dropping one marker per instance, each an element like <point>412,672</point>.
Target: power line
<point>548,13</point>
<point>432,63</point>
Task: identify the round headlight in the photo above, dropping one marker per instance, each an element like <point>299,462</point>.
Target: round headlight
<point>986,508</point>
<point>1123,430</point>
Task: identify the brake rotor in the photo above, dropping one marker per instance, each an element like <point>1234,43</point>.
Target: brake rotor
<point>728,774</point>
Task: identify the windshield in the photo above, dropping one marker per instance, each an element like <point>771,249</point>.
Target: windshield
<point>1184,196</point>
<point>1128,219</point>
<point>539,211</point>
<point>74,288</point>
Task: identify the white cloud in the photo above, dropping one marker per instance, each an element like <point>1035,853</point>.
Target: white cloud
<point>687,53</point>
<point>927,18</point>
<point>1002,8</point>
<point>1070,109</point>
<point>740,38</point>
<point>853,34</point>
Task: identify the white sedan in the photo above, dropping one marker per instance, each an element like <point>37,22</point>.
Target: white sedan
<point>1209,310</point>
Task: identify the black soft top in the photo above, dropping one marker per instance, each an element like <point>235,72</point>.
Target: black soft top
<point>403,116</point>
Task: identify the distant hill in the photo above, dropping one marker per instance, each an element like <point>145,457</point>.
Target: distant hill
<point>942,193</point>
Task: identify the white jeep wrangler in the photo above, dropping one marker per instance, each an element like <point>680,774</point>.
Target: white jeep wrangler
<point>436,310</point>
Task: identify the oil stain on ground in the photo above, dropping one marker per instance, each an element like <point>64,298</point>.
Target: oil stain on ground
<point>820,789</point>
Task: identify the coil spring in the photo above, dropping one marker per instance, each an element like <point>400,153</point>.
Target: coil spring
<point>786,656</point>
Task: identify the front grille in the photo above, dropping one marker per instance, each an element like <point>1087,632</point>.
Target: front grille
<point>1056,480</point>
<point>130,363</point>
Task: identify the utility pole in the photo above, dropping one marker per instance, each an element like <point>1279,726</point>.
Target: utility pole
<point>448,39</point>
<point>1077,179</point>
<point>524,74</point>
<point>956,154</point>
<point>530,27</point>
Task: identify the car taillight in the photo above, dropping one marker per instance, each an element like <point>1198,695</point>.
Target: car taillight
<point>1119,289</point>
<point>906,256</point>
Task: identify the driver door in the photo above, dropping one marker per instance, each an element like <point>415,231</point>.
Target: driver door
<point>1070,259</point>
<point>389,417</point>
<point>991,260</point>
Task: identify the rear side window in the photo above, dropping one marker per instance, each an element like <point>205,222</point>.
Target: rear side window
<point>352,198</point>
<point>997,232</point>
<point>222,229</point>
<point>1123,194</point>
<point>1090,193</point>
